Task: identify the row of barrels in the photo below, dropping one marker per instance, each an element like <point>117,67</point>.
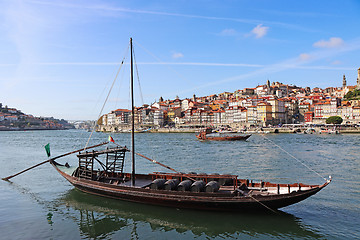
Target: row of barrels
<point>186,185</point>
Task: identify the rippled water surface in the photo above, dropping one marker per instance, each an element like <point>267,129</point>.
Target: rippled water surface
<point>40,204</point>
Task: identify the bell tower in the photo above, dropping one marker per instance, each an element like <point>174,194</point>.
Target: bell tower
<point>358,80</point>
<point>344,81</point>
<point>268,88</point>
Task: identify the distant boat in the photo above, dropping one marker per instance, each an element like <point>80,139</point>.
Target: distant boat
<point>329,131</point>
<point>139,130</point>
<point>208,134</point>
<point>310,131</point>
<point>101,173</point>
<point>142,130</point>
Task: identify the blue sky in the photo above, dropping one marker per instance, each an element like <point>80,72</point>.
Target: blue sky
<point>58,58</point>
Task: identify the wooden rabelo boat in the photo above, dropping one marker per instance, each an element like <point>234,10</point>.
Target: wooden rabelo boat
<point>193,191</point>
<point>208,134</point>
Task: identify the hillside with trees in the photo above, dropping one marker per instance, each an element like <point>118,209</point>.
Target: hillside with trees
<point>12,119</point>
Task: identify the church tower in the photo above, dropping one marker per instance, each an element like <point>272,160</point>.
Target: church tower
<point>268,88</point>
<point>344,82</point>
<point>194,98</point>
<point>358,80</point>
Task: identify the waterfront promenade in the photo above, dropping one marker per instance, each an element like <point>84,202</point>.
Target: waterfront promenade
<point>263,130</point>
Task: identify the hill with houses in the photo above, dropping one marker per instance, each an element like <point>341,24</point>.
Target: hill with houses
<point>271,104</point>
<point>12,119</point>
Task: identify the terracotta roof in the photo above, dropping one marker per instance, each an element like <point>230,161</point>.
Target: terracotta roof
<point>122,110</point>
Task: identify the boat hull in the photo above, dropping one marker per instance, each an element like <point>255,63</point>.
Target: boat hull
<point>190,200</point>
<point>224,138</point>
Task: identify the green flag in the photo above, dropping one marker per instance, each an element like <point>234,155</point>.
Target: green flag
<point>47,149</point>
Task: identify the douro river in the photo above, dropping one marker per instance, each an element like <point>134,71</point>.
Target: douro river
<point>40,204</point>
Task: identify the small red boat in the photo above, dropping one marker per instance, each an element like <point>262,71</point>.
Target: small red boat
<point>208,134</point>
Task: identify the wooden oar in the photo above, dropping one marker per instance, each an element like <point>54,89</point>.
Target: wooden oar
<point>51,159</point>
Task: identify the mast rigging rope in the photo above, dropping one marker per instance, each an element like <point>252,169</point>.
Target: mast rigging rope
<point>294,157</point>
<point>138,78</point>
<point>107,97</point>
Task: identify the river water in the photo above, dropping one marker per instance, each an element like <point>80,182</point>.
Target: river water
<point>40,204</point>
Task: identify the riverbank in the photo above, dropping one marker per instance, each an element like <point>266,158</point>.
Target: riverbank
<point>344,130</point>
<point>31,128</point>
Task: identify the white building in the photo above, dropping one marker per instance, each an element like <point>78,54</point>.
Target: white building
<point>111,119</point>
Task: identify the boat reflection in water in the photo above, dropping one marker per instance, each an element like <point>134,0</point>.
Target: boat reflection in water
<point>100,217</point>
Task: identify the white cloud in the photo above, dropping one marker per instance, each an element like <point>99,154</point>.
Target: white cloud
<point>260,31</point>
<point>304,56</point>
<point>228,32</point>
<point>331,43</point>
<point>336,62</point>
<point>177,55</point>
<point>110,8</point>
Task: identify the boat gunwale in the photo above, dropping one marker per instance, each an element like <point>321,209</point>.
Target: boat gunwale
<point>223,138</point>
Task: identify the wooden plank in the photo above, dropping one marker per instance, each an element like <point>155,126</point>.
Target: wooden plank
<point>139,183</point>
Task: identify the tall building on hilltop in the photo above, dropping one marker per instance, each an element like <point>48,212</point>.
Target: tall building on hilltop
<point>268,88</point>
<point>358,80</point>
<point>194,98</point>
<point>344,82</point>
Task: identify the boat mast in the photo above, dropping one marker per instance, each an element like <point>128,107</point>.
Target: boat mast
<point>133,115</point>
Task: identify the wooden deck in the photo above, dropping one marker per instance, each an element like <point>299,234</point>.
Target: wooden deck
<point>139,183</point>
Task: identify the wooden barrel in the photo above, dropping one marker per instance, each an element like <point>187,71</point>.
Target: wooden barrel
<point>184,186</point>
<point>214,179</point>
<point>201,178</point>
<point>171,184</point>
<point>225,181</point>
<point>197,186</point>
<point>158,184</point>
<point>212,186</point>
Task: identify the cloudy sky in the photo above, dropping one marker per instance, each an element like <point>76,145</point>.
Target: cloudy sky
<point>59,58</point>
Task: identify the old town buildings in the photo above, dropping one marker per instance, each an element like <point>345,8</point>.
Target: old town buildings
<point>12,119</point>
<point>269,104</point>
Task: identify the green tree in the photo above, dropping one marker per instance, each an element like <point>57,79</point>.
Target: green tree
<point>334,120</point>
<point>353,94</point>
<point>349,95</point>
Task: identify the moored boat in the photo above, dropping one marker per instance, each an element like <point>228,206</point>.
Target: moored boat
<point>329,131</point>
<point>203,192</point>
<point>208,134</point>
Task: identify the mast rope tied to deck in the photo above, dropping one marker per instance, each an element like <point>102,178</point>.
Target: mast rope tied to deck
<point>295,158</point>
<point>262,204</point>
